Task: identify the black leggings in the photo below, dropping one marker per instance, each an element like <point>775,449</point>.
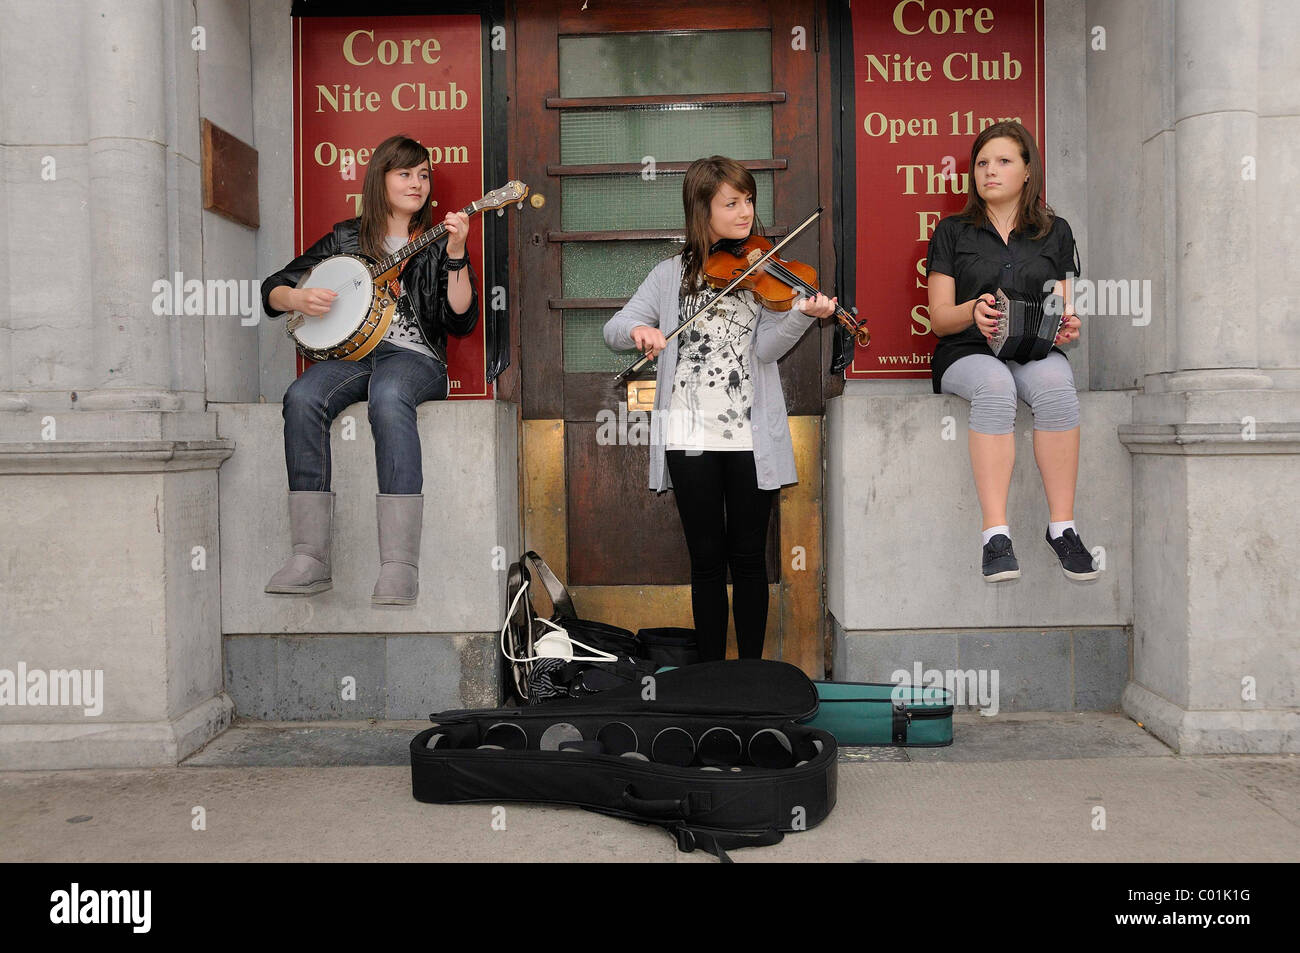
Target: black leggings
<point>703,483</point>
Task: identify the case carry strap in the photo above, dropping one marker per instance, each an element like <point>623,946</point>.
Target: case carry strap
<point>671,816</point>
<point>625,669</point>
<point>718,842</point>
<point>690,838</point>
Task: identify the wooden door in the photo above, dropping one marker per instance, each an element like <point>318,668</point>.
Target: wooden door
<point>608,107</point>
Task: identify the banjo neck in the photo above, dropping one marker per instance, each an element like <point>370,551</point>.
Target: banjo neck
<point>389,262</point>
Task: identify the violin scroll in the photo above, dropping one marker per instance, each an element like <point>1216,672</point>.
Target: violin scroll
<point>861,336</point>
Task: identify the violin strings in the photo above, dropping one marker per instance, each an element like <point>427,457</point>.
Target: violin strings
<point>790,278</point>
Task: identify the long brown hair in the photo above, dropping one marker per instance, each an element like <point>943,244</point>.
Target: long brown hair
<point>1032,212</point>
<point>395,152</point>
<point>703,179</point>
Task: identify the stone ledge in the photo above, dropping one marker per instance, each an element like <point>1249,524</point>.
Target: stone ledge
<point>399,676</point>
<point>114,745</point>
<point>110,456</point>
<point>471,523</point>
<point>1208,439</point>
<point>1276,407</point>
<point>898,469</point>
<point>1038,669</point>
<point>1217,379</point>
<point>1202,731</point>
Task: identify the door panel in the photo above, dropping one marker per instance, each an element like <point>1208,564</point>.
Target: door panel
<point>609,507</point>
<point>609,107</point>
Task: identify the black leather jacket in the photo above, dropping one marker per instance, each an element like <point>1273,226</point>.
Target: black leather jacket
<point>423,279</point>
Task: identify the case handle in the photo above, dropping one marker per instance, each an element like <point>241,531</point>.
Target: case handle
<point>679,809</point>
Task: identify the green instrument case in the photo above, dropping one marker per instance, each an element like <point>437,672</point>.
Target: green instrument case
<point>869,713</point>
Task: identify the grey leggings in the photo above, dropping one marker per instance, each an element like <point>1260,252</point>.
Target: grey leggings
<point>992,387</point>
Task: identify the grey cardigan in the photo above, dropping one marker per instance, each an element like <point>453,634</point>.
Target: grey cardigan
<point>656,304</point>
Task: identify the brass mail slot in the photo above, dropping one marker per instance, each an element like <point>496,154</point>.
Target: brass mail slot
<point>640,395</point>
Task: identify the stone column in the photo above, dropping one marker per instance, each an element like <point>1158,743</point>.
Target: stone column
<point>1278,265</point>
<point>110,624</point>
<point>1216,442</point>
<point>123,51</point>
<point>1215,78</point>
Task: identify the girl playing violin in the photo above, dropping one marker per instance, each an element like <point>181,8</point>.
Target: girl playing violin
<point>719,433</point>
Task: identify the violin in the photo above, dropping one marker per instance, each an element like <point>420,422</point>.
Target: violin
<point>778,283</point>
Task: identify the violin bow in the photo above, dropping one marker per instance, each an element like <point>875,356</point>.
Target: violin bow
<point>645,359</point>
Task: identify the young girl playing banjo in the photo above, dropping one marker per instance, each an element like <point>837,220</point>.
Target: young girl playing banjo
<point>408,367</point>
<point>720,437</point>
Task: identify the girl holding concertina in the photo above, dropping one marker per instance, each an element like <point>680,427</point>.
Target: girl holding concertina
<point>1007,237</point>
<point>408,367</point>
<point>719,435</point>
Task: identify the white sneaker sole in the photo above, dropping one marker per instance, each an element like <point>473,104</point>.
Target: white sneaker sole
<point>1003,576</point>
<point>1081,575</point>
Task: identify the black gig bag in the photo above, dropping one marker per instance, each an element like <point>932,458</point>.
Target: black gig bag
<point>542,679</point>
<point>713,753</point>
<point>669,646</point>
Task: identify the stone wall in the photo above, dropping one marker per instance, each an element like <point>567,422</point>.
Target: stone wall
<point>1216,425</point>
<point>286,655</point>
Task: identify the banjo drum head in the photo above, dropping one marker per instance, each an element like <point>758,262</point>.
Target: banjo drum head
<point>350,277</point>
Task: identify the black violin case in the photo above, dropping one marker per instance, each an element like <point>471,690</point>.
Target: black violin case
<point>720,789</point>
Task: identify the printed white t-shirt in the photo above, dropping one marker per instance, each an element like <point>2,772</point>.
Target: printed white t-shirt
<point>403,330</point>
<point>713,390</point>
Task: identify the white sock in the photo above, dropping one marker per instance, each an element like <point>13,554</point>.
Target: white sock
<point>993,531</point>
<point>1057,530</point>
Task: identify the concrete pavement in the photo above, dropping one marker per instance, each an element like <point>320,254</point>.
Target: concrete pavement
<point>1027,787</point>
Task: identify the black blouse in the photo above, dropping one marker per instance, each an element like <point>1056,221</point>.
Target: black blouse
<point>977,259</point>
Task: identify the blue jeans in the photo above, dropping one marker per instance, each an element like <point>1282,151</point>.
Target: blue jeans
<point>393,381</point>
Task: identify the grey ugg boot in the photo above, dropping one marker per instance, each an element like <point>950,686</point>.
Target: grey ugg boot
<point>311,517</point>
<point>400,518</point>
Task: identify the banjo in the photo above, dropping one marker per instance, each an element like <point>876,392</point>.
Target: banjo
<point>359,317</point>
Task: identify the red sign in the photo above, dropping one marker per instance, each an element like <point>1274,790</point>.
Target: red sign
<point>929,77</point>
<point>359,80</point>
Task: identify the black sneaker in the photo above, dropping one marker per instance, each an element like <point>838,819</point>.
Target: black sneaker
<point>1000,560</point>
<point>1076,561</point>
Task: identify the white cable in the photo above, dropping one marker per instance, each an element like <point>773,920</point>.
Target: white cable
<point>558,644</point>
